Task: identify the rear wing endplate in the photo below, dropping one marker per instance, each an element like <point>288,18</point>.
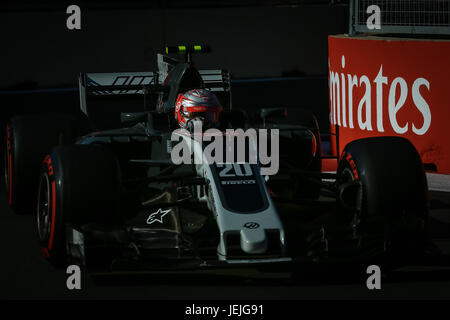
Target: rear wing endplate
<point>136,83</point>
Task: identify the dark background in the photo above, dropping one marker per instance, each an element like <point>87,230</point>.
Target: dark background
<point>256,41</point>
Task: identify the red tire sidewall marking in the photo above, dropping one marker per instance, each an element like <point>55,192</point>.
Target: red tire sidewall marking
<point>50,172</point>
<point>313,143</point>
<point>10,179</point>
<point>45,252</point>
<point>348,158</point>
<point>52,228</point>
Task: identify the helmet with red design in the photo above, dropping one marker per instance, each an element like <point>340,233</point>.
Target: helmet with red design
<point>197,105</point>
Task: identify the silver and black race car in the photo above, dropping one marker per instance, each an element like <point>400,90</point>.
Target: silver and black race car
<point>108,196</point>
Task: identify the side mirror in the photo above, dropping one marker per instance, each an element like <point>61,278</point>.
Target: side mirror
<point>132,118</point>
<point>272,112</point>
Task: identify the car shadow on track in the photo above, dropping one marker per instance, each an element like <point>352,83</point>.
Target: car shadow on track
<point>320,276</point>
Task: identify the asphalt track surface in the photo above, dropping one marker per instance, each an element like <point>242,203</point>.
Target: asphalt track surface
<point>24,274</point>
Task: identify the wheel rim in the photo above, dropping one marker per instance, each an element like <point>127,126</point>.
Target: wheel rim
<point>348,176</point>
<point>43,214</point>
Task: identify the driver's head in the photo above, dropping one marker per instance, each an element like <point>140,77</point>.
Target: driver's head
<point>197,105</point>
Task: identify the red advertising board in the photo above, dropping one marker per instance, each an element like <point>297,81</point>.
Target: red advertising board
<point>392,86</point>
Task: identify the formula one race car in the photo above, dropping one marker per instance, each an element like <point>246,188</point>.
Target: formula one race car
<point>113,198</point>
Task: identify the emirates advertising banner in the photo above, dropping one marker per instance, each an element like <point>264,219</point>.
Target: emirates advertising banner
<point>392,87</point>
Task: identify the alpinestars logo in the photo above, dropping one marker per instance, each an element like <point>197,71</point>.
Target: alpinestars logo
<point>157,216</point>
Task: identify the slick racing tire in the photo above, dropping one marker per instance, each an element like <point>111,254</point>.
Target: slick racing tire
<point>79,185</point>
<point>28,139</point>
<point>384,194</point>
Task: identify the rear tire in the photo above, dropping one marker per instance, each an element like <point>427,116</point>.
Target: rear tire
<point>29,138</point>
<point>79,185</point>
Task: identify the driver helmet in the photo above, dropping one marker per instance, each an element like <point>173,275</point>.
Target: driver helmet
<point>197,105</point>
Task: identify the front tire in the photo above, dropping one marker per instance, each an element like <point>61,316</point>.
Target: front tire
<point>79,185</point>
<point>388,193</point>
<point>28,139</point>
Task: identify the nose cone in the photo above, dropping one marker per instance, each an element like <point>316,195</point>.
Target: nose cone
<point>253,240</point>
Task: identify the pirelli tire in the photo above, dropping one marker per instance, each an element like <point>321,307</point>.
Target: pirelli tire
<point>79,185</point>
<point>390,200</point>
<point>28,139</point>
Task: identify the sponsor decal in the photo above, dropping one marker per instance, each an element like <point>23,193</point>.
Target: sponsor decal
<point>239,182</point>
<point>391,87</point>
<point>349,112</point>
<point>251,225</point>
<point>157,216</point>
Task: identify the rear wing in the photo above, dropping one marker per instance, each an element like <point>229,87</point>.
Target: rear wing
<point>135,85</point>
<point>110,84</point>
